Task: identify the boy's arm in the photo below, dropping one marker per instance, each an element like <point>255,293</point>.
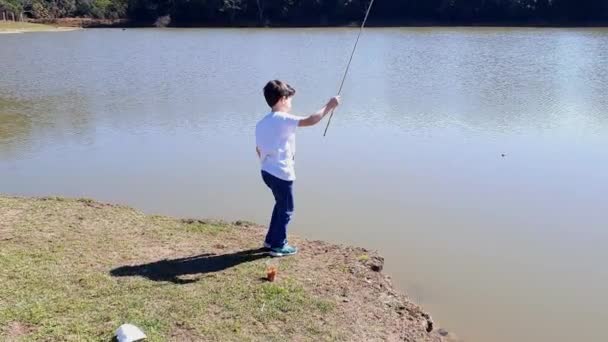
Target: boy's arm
<point>315,118</point>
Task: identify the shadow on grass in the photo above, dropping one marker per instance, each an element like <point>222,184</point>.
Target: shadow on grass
<point>171,269</point>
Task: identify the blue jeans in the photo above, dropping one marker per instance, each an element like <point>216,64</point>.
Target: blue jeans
<point>283,209</point>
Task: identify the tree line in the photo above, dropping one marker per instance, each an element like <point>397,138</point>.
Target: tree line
<point>320,12</point>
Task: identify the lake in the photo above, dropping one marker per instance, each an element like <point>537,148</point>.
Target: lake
<point>474,159</point>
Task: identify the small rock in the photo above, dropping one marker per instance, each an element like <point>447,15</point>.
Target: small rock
<point>429,325</point>
<point>376,263</point>
<point>345,300</point>
<point>376,268</point>
<point>442,332</point>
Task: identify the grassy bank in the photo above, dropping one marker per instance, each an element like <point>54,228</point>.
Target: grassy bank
<point>77,269</point>
<point>23,27</point>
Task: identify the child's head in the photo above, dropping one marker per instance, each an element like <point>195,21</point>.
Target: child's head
<point>278,95</point>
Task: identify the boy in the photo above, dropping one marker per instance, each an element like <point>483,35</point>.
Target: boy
<point>275,137</point>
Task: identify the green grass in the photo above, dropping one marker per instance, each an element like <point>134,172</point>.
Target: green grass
<point>363,257</point>
<point>207,228</point>
<point>56,256</point>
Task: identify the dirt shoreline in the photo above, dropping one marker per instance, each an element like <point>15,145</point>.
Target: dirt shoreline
<point>26,27</point>
<point>58,29</point>
<point>101,265</point>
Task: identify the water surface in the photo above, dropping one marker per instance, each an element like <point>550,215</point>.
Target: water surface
<point>497,248</point>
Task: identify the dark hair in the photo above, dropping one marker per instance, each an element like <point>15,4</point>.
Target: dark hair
<point>275,90</point>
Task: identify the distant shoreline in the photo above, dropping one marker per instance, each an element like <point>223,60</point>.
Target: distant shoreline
<point>126,23</point>
<point>58,29</point>
<point>25,27</point>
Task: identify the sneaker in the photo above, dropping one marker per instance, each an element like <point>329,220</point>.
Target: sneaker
<point>283,251</point>
<point>267,245</point>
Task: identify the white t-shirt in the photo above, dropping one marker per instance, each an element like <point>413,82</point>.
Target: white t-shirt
<point>275,137</point>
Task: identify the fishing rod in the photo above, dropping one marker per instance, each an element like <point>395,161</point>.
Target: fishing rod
<point>349,61</point>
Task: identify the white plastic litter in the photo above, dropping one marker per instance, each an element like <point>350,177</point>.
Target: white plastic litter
<point>129,333</point>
